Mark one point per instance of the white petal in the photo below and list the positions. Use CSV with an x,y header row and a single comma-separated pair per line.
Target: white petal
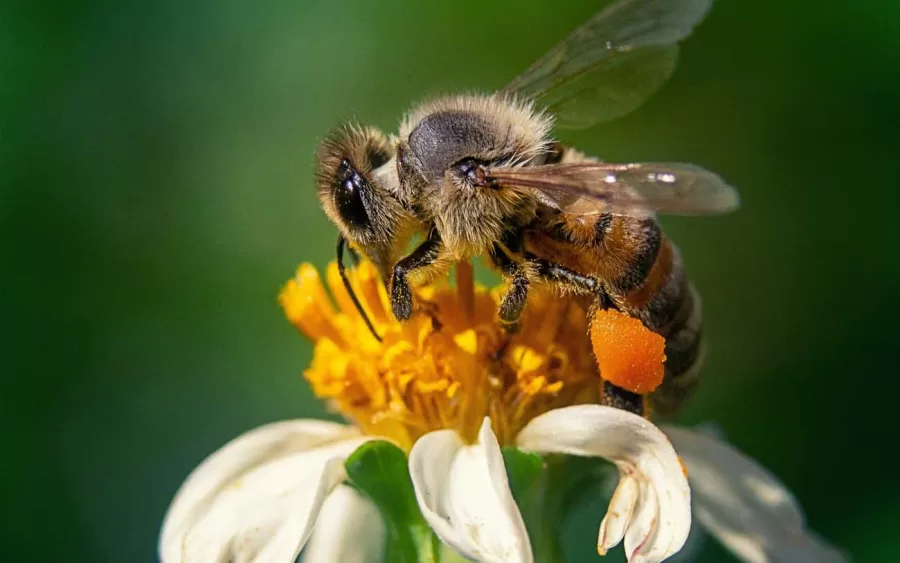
x,y
612,529
690,551
745,506
245,472
660,517
463,492
349,530
267,514
642,529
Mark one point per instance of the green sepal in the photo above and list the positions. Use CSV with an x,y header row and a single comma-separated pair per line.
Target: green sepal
x,y
573,481
379,470
550,489
523,470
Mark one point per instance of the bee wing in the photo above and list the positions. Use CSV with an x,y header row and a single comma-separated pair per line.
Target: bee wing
x,y
610,65
589,188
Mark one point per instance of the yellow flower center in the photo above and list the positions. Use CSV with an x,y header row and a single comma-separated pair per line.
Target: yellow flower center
x,y
450,365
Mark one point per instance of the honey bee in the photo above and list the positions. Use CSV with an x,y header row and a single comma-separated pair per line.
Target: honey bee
x,y
481,175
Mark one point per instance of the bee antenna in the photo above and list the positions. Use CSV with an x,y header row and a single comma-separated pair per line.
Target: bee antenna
x,y
340,263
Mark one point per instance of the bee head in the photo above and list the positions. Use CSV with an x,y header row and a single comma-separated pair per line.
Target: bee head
x,y
356,183
447,145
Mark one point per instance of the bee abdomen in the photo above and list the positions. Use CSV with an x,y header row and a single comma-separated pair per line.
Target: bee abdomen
x,y
668,304
642,273
640,241
684,355
658,296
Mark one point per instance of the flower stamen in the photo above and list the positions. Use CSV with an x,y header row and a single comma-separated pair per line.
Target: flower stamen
x,y
450,365
465,287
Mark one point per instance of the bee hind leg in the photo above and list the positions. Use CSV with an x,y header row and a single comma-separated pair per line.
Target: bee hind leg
x,y
615,396
612,395
580,282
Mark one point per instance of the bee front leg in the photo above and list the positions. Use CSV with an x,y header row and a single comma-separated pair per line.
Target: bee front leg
x,y
424,255
513,302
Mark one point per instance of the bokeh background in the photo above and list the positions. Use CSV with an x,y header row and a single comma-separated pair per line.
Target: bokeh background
x,y
155,164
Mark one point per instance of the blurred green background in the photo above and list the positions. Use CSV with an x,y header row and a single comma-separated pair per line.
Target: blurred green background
x,y
155,164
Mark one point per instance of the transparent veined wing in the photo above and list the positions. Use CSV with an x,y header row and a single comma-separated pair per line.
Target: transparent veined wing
x,y
610,65
588,188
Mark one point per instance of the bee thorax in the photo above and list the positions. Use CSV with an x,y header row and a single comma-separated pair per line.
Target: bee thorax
x,y
472,220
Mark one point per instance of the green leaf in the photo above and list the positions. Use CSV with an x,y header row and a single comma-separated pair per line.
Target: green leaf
x,y
379,470
523,470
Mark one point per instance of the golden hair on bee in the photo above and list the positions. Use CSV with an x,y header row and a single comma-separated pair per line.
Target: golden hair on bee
x,y
522,129
364,148
356,182
444,142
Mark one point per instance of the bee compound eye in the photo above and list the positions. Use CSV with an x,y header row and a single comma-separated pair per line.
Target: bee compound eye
x,y
348,197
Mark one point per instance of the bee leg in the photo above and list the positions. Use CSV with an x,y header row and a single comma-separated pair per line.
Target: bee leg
x,y
619,398
424,255
613,395
560,274
513,302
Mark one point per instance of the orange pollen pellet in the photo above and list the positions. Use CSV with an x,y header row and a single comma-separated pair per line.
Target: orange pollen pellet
x,y
630,355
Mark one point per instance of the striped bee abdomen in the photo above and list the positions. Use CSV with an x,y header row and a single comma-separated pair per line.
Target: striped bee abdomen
x,y
667,304
684,354
640,273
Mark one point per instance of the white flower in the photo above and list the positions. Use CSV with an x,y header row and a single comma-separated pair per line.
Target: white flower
x,y
264,495
276,489
259,497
